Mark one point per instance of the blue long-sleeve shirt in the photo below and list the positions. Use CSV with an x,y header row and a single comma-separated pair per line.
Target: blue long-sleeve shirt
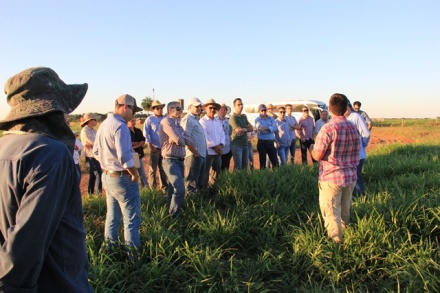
x,y
151,130
269,122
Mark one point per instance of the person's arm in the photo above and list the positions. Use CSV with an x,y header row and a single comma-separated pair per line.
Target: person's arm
x,y
124,152
272,125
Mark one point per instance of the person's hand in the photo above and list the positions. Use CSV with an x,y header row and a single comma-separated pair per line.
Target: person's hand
x,y
277,145
153,148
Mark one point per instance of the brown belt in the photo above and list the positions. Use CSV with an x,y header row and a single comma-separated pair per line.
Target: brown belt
x,y
116,173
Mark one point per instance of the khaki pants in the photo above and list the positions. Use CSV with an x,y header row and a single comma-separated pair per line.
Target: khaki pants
x,y
335,203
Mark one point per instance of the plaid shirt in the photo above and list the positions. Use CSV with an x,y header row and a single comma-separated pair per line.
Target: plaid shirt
x,y
340,141
173,138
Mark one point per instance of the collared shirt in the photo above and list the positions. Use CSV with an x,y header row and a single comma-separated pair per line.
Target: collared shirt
x,y
307,125
283,136
292,122
238,121
339,140
194,129
42,235
366,117
173,138
269,122
364,133
112,146
227,131
151,130
88,136
214,133
319,125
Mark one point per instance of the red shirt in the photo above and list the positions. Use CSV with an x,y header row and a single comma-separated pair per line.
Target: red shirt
x,y
339,140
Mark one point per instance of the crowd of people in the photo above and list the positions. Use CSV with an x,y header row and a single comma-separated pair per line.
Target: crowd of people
x,y
42,236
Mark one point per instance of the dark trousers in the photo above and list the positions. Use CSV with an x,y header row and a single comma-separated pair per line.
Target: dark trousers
x,y
266,147
226,161
305,149
95,183
359,188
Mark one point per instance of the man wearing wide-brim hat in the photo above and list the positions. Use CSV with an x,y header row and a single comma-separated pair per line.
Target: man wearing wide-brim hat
x,y
114,151
42,236
88,136
151,133
215,141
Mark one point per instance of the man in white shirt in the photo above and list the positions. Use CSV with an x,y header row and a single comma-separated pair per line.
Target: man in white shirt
x,y
215,140
322,121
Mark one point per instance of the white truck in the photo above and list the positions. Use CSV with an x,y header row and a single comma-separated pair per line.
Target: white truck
x,y
315,108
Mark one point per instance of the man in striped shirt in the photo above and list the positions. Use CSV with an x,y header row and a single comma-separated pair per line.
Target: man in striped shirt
x,y
337,150
173,140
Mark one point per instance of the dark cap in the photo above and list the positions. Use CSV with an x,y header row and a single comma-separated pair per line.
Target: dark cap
x,y
37,91
262,107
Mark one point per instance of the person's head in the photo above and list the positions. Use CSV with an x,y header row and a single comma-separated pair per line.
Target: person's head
x,y
263,110
357,106
338,104
90,119
223,111
157,108
282,112
210,108
270,107
132,122
305,111
195,106
238,106
324,115
289,109
37,91
125,106
174,109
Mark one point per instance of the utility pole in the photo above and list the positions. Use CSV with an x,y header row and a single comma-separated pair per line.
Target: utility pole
x,y
153,95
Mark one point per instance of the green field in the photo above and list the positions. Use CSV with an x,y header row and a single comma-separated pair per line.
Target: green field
x,y
263,231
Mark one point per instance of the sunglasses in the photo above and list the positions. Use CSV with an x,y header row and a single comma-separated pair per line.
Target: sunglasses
x,y
158,108
282,112
305,110
178,108
212,108
264,110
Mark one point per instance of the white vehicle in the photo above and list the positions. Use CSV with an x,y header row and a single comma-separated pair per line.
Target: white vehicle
x,y
315,108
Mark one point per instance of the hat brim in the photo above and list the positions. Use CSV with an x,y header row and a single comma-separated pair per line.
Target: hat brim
x,y
159,105
217,106
65,101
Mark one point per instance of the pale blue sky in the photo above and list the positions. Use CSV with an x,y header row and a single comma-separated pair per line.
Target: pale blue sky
x,y
383,53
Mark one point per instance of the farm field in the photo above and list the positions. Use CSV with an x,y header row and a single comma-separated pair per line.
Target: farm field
x,y
262,232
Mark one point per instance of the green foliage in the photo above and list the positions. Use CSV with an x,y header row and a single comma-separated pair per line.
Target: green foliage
x,y
262,232
146,103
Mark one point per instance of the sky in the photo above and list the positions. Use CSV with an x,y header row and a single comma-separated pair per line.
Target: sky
x,y
382,53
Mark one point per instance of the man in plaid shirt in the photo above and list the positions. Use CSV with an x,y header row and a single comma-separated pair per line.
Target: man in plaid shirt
x,y
337,149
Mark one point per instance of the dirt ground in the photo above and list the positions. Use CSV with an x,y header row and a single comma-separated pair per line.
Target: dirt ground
x,y
375,142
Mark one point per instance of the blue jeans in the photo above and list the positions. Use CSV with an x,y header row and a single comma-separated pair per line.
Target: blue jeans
x,y
195,168
240,155
359,188
250,155
142,174
214,162
292,150
283,153
156,163
123,200
176,186
95,183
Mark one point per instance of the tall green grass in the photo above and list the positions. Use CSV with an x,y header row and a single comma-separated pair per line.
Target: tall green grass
x,y
263,232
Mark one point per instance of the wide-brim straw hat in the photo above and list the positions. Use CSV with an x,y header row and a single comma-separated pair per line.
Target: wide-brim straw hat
x,y
37,91
156,103
211,102
89,116
228,109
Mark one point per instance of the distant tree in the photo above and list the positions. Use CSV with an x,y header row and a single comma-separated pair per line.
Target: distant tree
x,y
146,104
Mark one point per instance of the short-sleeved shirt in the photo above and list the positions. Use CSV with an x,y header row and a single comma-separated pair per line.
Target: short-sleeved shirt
x,y
339,140
238,121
